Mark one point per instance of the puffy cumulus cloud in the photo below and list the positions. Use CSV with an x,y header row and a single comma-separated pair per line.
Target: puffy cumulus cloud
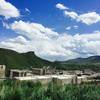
x,y
89,18
51,45
18,44
61,6
33,30
86,18
8,10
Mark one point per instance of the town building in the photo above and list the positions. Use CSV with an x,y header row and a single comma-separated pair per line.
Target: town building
x,y
46,79
18,73
38,71
46,74
88,72
43,71
65,79
82,79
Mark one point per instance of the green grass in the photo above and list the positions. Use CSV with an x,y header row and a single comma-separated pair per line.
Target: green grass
x,y
15,90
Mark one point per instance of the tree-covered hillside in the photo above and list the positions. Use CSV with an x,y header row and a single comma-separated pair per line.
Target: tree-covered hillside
x,y
13,59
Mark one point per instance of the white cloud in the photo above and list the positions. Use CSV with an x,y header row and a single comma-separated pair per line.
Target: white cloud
x,y
19,44
86,18
89,18
51,45
75,27
68,28
8,10
27,10
72,14
61,6
33,30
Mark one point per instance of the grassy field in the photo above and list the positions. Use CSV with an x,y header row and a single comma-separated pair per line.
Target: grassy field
x,y
11,90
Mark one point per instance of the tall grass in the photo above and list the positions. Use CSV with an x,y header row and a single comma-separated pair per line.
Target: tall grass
x,y
15,90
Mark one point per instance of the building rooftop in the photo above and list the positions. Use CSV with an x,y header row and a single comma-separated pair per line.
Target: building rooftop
x,y
83,76
25,78
45,77
63,76
17,70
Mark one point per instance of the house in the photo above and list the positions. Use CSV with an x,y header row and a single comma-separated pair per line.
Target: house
x,y
82,79
65,79
17,73
38,71
43,71
88,72
44,80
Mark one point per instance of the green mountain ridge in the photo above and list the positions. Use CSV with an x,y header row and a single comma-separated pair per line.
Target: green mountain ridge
x,y
92,62
13,59
91,59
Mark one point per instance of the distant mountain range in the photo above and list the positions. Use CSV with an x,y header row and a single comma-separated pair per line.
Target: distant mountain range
x,y
13,59
92,59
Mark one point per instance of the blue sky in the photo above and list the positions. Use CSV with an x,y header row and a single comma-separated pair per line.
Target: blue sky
x,y
70,20
45,12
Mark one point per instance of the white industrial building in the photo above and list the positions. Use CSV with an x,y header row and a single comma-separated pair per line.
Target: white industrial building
x,y
58,79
